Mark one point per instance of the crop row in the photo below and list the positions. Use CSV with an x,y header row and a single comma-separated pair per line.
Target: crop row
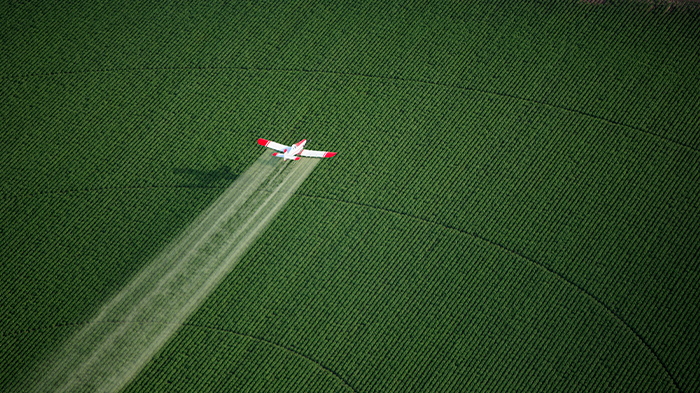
x,y
389,302
570,141
539,181
201,359
617,62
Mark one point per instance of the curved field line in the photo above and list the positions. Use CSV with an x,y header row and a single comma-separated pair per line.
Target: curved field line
x,y
316,362
248,336
560,276
369,76
474,235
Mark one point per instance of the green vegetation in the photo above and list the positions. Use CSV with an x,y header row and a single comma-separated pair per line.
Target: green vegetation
x,y
514,206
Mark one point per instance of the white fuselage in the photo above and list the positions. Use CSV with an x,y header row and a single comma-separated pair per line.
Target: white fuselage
x,y
290,152
297,149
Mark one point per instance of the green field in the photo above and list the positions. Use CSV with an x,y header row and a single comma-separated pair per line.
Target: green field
x,y
515,206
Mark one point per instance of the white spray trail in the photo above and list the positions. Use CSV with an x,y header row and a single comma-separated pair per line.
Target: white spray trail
x,y
107,353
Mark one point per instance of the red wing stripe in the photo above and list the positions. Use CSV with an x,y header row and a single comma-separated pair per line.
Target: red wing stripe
x,y
263,142
329,154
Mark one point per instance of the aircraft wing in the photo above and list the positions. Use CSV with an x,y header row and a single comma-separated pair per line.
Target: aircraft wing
x,y
316,153
271,144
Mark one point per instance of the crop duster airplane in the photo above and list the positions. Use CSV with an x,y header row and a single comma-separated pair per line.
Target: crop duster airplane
x,y
290,152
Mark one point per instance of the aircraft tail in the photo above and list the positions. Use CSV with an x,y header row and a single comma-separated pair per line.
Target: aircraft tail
x,y
281,155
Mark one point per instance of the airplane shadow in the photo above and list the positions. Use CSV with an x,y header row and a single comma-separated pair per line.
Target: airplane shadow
x,y
203,178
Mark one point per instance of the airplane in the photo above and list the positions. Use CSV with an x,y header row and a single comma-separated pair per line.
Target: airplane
x,y
290,152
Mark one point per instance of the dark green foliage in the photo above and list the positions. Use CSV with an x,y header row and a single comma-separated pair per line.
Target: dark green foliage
x,y
399,304
514,206
204,359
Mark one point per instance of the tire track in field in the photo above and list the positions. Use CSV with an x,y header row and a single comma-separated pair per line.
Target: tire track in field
x,y
559,276
367,76
191,325
248,336
105,357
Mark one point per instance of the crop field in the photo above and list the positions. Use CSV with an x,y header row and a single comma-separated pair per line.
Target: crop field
x,y
514,207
